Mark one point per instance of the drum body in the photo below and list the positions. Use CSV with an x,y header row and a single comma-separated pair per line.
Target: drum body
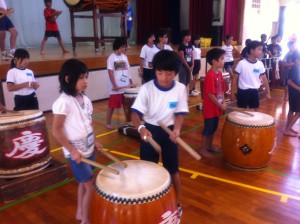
x,y
248,142
141,193
226,78
129,98
24,144
106,5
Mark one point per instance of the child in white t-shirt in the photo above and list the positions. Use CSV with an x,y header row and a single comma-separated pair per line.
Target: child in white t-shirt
x,y
119,76
72,128
20,80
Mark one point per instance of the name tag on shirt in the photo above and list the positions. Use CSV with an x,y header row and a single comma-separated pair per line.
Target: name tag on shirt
x,y
172,105
255,70
29,74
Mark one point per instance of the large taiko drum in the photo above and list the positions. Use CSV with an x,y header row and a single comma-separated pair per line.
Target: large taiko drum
x,y
24,144
129,98
141,193
226,78
248,142
102,4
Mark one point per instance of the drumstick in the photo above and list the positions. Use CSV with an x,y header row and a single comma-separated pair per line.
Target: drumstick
x,y
100,166
154,144
115,159
183,144
240,110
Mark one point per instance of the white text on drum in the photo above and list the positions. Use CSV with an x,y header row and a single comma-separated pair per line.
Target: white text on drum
x,y
27,145
169,218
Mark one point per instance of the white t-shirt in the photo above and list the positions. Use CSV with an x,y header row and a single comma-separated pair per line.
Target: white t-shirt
x,y
78,123
249,74
161,104
120,66
147,54
18,76
167,47
197,53
228,53
3,4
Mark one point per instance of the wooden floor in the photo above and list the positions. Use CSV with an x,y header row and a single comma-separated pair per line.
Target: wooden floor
x,y
212,191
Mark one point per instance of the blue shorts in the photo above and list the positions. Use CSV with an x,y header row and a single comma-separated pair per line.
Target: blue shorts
x,y
50,33
6,24
83,172
228,65
210,126
247,98
169,149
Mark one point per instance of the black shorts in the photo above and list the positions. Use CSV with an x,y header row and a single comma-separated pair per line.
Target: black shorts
x,y
6,23
210,126
228,65
184,75
247,98
49,33
28,102
197,67
169,150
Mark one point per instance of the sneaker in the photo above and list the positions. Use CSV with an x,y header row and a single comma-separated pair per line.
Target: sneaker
x,y
179,212
4,56
10,55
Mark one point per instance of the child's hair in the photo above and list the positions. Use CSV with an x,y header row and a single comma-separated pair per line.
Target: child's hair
x,y
167,60
119,42
263,36
184,33
273,38
247,41
147,36
46,1
290,44
214,54
72,69
252,45
228,36
19,54
196,37
160,34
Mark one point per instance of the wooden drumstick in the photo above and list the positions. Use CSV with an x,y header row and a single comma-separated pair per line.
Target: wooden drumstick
x,y
113,158
154,144
182,143
240,110
99,165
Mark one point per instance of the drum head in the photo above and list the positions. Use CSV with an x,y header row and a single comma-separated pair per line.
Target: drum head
x,y
132,90
259,119
141,181
73,3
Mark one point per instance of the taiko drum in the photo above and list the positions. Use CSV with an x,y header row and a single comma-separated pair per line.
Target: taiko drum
x,y
248,142
24,144
141,193
129,97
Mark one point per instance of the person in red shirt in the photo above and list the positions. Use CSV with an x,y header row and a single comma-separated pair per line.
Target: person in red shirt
x,y
51,26
213,100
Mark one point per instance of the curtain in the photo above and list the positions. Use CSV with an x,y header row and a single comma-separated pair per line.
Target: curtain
x,y
151,16
234,19
200,18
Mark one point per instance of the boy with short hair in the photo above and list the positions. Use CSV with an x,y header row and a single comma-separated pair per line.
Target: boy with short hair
x,y
213,100
249,75
162,99
51,26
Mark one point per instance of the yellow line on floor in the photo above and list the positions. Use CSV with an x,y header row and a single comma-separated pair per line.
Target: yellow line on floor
x,y
284,197
194,174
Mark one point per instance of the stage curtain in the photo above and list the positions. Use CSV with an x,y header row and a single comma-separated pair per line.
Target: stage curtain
x,y
200,18
151,16
234,19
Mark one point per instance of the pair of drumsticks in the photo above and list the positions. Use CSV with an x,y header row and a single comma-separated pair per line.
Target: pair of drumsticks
x,y
154,144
